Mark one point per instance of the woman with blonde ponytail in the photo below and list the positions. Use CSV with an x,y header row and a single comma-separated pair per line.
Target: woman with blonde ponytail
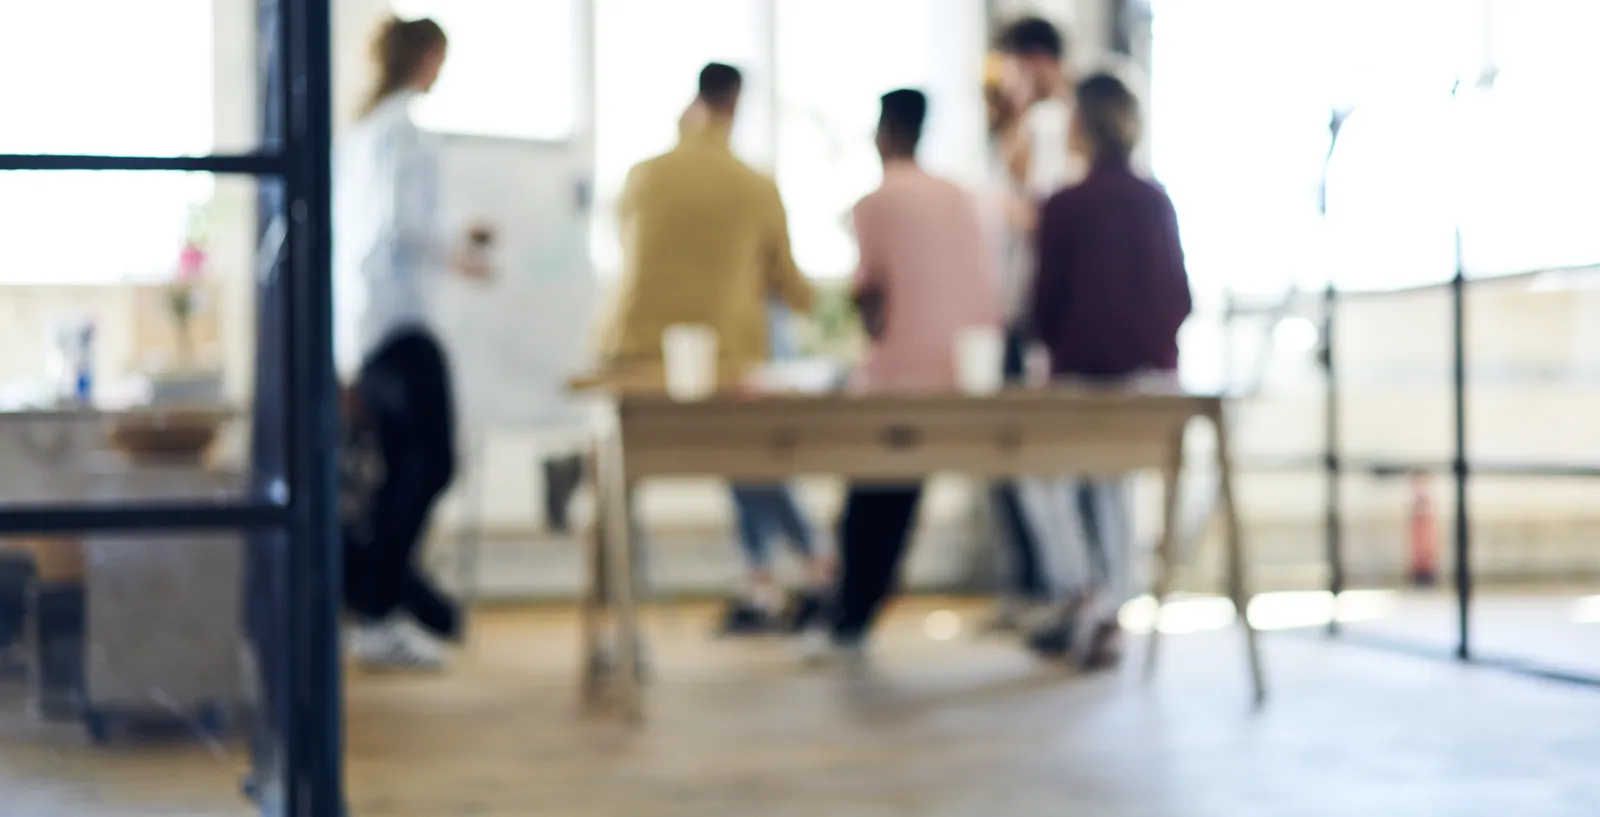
x,y
389,249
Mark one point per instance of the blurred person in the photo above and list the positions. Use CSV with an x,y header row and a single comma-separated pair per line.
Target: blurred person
x,y
1040,79
1010,216
1110,293
923,276
705,240
390,249
1035,75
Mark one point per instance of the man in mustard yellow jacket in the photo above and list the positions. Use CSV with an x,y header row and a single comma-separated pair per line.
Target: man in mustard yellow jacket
x,y
705,240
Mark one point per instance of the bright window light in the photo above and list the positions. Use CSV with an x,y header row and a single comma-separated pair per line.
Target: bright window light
x,y
942,625
514,67
810,100
1587,610
1239,135
829,78
648,56
1268,611
1296,334
138,81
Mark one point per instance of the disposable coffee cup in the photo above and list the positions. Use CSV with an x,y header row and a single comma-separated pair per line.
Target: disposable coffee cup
x,y
689,352
980,360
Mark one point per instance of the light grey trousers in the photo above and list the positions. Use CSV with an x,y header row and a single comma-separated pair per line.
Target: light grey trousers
x,y
1085,532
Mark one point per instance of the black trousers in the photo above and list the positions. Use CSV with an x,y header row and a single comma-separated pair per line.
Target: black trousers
x,y
1027,579
873,534
405,394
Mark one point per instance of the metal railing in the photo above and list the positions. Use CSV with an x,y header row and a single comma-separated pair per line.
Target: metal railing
x,y
1334,465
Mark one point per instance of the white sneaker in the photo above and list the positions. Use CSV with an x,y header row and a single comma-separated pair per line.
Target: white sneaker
x,y
392,645
817,648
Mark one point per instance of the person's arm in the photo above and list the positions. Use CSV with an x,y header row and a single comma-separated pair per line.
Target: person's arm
x,y
627,200
1052,274
784,278
1018,154
1021,213
419,230
1181,302
867,286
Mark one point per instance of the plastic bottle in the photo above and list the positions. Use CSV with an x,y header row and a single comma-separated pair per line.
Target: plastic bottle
x,y
83,365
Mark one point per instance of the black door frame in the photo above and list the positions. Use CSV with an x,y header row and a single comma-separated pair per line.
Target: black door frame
x,y
290,514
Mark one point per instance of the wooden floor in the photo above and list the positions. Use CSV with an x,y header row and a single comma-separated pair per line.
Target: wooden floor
x,y
956,728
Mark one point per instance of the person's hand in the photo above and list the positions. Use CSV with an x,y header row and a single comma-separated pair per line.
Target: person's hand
x,y
870,305
472,262
1022,215
1016,83
481,236
349,403
473,265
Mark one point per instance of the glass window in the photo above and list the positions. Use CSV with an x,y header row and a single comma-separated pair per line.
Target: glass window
x,y
829,79
648,56
1533,168
1240,148
515,67
1240,135
139,81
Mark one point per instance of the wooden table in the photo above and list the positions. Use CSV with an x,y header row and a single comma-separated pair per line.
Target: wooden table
x,y
889,438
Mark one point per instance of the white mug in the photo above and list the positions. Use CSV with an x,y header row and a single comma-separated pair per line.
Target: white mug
x,y
689,352
980,360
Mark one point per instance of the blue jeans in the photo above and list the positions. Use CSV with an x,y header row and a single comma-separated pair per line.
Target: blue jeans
x,y
765,511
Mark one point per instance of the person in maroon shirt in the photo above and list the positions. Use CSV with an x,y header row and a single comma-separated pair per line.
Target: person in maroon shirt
x,y
1109,295
1111,290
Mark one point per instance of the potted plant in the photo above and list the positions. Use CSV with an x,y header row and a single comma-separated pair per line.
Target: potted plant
x,y
186,378
185,293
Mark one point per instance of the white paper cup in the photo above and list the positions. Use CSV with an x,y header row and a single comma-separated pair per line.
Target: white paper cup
x,y
689,352
980,360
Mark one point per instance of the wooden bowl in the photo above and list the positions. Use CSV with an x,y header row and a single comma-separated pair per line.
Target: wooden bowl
x,y
171,435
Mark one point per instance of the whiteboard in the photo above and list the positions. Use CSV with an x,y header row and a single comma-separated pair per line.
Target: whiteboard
x,y
515,340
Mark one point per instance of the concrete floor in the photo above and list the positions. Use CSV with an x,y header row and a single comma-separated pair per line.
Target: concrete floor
x,y
935,727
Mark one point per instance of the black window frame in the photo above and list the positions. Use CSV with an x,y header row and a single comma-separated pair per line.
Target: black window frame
x,y
290,517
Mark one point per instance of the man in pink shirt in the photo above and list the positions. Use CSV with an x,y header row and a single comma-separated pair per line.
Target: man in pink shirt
x,y
924,275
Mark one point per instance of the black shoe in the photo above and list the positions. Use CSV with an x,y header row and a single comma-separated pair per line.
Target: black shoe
x,y
743,618
16,574
1053,643
1054,636
805,611
1104,648
58,623
437,614
562,476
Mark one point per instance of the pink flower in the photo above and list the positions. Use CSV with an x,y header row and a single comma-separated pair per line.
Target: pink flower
x,y
191,263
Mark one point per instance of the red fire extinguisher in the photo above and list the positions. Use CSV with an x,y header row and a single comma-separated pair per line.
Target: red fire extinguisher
x,y
1424,535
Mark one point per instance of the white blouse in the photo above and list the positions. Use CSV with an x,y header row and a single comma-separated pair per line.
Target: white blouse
x,y
388,245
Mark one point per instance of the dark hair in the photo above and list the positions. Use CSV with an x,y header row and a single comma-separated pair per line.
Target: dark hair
x,y
720,85
904,111
398,50
1109,114
1032,36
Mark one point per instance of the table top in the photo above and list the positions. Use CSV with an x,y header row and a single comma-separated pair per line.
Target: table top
x,y
1025,431
174,414
643,389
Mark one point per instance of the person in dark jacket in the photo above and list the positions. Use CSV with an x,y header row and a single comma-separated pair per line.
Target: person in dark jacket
x,y
1109,295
